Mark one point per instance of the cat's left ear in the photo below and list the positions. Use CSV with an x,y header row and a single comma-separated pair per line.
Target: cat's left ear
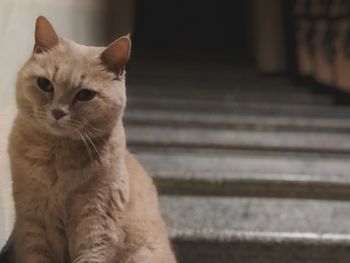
x,y
117,54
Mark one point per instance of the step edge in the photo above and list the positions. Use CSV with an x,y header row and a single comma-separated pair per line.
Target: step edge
x,y
229,235
318,190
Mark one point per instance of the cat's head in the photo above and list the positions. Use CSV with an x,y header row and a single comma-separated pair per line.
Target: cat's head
x,y
70,90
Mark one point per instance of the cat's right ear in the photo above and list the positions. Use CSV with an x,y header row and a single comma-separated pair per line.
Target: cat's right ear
x,y
117,54
45,35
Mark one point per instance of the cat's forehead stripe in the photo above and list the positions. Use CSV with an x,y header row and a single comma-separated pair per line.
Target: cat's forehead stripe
x,y
82,77
55,73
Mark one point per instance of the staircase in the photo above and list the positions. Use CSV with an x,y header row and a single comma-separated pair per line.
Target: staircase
x,y
250,168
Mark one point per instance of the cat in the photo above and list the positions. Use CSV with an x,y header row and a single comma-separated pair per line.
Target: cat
x,y
80,196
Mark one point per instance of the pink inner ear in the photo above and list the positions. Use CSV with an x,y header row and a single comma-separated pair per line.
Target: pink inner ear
x,y
117,54
45,35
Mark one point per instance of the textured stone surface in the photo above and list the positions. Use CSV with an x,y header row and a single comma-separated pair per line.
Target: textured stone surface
x,y
227,96
197,78
233,133
226,165
241,250
258,121
248,173
258,230
238,139
261,108
263,215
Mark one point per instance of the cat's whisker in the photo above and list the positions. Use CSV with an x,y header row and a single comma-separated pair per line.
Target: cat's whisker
x,y
74,125
34,113
95,129
95,134
91,132
75,122
93,145
86,144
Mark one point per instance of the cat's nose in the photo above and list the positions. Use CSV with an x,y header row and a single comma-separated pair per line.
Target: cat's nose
x,y
58,114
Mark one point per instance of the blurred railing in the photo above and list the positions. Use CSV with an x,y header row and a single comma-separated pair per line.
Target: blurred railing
x,y
323,41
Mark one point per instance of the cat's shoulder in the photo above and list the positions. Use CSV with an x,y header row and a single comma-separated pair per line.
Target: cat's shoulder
x,y
133,165
137,174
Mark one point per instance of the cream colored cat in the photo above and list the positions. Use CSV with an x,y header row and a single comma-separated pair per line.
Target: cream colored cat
x,y
80,196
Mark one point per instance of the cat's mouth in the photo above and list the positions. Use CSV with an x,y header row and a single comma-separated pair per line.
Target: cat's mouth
x,y
57,125
58,129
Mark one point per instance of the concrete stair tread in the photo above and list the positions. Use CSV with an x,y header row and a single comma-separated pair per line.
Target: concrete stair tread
x,y
191,90
246,82
254,121
250,168
196,69
260,230
219,165
313,141
248,174
210,105
267,216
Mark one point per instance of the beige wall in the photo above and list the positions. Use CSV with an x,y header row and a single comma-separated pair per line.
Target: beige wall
x,y
79,20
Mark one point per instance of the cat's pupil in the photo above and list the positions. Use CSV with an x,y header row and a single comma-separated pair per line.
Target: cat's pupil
x,y
85,95
44,84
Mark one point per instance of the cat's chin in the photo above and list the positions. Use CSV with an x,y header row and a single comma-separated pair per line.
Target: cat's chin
x,y
60,131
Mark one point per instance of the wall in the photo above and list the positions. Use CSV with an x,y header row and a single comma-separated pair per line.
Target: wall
x,y
78,20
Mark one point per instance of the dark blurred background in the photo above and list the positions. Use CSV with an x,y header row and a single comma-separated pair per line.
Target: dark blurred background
x,y
192,25
307,40
249,31
239,110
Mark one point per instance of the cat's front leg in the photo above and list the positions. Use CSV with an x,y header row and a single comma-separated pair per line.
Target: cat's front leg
x,y
156,254
30,241
93,236
93,242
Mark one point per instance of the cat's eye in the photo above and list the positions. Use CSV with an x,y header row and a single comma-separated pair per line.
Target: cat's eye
x,y
44,84
85,95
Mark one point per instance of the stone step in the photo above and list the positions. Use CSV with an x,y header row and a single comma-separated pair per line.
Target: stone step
x,y
184,105
251,230
248,173
195,85
197,137
198,89
293,97
255,121
163,78
223,75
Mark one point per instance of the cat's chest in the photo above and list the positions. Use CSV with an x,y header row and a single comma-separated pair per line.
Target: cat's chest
x,y
47,177
47,172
